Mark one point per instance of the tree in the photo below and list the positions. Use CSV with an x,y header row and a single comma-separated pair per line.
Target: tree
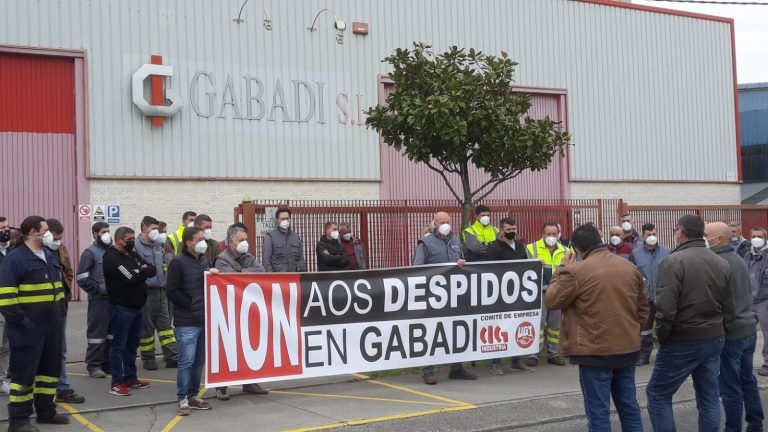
x,y
457,109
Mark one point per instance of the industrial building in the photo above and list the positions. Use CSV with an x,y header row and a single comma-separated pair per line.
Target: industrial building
x,y
161,107
753,107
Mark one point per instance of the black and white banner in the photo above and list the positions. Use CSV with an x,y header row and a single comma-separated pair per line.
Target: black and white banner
x,y
275,326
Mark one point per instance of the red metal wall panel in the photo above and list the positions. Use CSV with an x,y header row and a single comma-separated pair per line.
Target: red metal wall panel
x,y
38,177
36,94
403,179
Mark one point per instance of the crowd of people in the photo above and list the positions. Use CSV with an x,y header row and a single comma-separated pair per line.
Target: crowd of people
x,y
604,296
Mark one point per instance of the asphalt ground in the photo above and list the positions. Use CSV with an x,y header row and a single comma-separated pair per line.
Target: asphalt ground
x,y
547,399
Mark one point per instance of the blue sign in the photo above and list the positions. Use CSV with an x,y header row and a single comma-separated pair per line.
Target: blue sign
x,y
113,214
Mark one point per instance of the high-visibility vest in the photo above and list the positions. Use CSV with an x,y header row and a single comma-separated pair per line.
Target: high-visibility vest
x,y
484,233
175,239
551,259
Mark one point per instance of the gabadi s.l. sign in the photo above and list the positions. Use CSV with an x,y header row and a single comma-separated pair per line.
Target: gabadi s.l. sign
x,y
266,326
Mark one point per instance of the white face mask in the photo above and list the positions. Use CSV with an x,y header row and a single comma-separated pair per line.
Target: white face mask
x,y
207,234
758,243
190,225
444,229
626,227
50,243
162,237
335,235
285,224
485,220
615,241
201,247
550,241
706,243
242,247
651,240
347,236
106,239
154,235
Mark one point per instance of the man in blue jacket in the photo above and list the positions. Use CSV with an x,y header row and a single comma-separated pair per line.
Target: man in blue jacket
x,y
647,258
756,259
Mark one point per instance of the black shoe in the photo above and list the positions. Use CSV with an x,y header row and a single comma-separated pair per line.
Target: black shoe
x,y
643,362
430,379
23,428
58,419
149,365
462,374
173,364
556,360
69,396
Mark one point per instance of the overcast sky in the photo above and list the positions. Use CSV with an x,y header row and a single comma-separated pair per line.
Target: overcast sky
x,y
751,34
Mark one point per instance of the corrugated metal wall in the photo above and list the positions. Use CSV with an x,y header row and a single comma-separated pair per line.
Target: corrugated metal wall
x,y
403,179
753,107
37,127
639,83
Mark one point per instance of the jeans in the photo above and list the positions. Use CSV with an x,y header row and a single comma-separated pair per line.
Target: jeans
x,y
126,329
63,383
675,362
598,385
191,342
738,385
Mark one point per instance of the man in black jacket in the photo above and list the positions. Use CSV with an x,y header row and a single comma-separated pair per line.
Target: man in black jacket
x,y
738,385
186,291
506,248
125,275
693,296
330,253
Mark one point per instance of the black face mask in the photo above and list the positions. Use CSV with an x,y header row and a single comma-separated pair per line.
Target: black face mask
x,y
510,235
5,236
129,245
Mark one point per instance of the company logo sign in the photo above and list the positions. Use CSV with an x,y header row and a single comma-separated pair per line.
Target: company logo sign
x,y
493,339
525,335
157,108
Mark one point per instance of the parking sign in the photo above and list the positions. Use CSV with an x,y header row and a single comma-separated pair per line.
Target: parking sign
x,y
113,214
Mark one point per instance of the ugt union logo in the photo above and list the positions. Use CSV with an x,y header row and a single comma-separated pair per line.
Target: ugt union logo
x,y
158,107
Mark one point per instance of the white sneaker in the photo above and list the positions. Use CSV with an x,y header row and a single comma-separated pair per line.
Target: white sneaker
x,y
183,408
5,388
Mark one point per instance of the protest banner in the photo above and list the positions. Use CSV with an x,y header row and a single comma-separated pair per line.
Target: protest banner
x,y
274,326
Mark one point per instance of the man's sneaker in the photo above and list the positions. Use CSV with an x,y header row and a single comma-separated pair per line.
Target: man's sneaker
x,y
197,402
97,373
430,379
520,366
23,428
150,365
5,388
120,390
496,369
69,396
138,384
532,361
254,389
462,374
763,371
556,360
183,409
643,362
173,364
221,394
57,419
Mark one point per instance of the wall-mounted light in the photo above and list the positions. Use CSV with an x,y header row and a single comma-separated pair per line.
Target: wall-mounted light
x,y
267,21
338,24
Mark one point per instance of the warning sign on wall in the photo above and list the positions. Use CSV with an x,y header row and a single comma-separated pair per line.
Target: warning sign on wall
x,y
99,212
84,213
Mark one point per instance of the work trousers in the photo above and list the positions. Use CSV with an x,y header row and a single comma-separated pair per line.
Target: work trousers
x,y
97,353
157,319
35,364
549,331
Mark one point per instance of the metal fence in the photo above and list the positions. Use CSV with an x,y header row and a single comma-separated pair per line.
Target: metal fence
x,y
390,230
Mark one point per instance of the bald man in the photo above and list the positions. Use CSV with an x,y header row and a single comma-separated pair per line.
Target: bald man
x,y
738,385
439,247
616,243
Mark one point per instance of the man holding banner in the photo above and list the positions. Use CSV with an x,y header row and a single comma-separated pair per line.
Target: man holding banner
x,y
436,248
604,307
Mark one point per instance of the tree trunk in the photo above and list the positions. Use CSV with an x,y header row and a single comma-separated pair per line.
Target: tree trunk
x,y
466,213
466,204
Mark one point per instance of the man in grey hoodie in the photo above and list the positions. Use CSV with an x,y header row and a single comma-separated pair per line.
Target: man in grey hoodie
x,y
738,385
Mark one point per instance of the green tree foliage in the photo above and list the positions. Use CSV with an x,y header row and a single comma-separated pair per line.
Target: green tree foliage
x,y
457,109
